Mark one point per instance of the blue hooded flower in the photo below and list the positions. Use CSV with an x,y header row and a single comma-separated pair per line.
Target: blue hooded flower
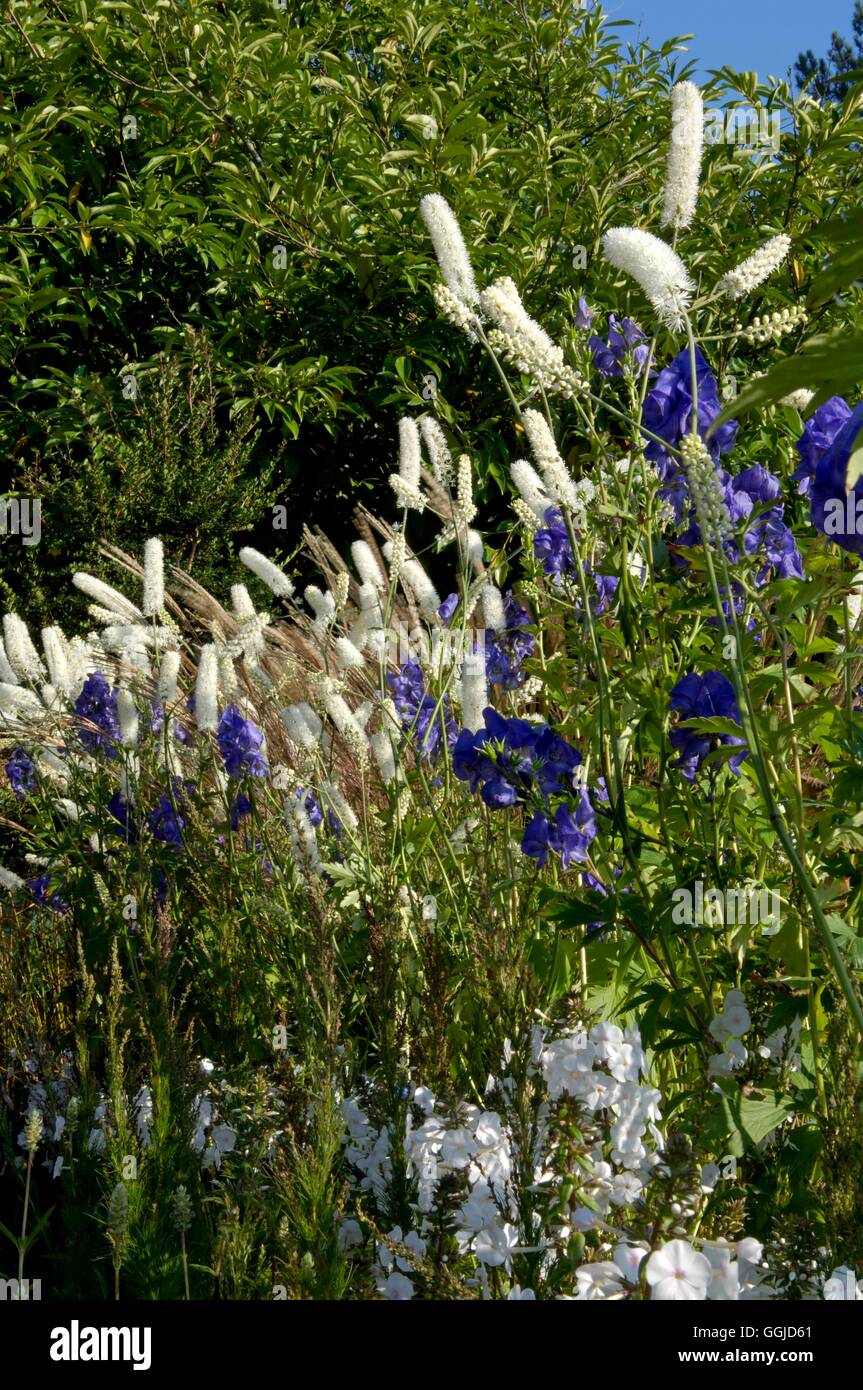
x,y
429,723
506,650
818,434
551,547
97,704
240,743
704,697
584,314
240,807
837,511
668,411
121,811
166,825
447,608
627,347
41,892
21,771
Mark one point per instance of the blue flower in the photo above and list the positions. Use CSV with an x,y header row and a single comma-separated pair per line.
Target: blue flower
x,y
120,811
314,810
818,434
40,890
240,743
626,347
447,608
551,547
165,824
756,487
429,723
97,703
584,315
241,806
704,697
837,511
21,772
668,411
506,650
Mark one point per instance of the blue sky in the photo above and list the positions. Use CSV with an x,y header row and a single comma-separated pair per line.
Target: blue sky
x,y
764,36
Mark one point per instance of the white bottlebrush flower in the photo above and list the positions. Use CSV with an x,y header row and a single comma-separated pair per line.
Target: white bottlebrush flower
x,y
426,594
341,715
107,597
530,488
22,655
656,267
349,657
207,689
10,880
127,718
492,608
523,342
54,647
437,449
242,604
406,483
684,155
464,510
394,553
154,578
449,248
270,574
367,566
7,675
323,605
169,670
303,725
333,800
384,754
474,691
756,268
474,548
558,483
798,400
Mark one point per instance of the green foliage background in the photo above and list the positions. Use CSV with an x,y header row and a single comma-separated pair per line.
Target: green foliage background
x,y
222,202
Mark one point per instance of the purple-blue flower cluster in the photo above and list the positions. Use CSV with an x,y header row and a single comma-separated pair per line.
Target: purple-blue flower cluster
x,y
627,348
512,762
21,771
97,704
505,651
767,536
240,743
43,893
668,412
818,434
429,725
552,548
837,508
704,697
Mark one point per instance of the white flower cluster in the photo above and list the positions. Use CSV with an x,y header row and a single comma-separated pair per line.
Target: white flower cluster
x,y
729,1026
771,327
706,491
656,267
756,268
520,339
684,155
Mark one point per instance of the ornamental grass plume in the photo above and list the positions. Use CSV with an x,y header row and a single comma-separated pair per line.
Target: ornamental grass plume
x,y
656,267
756,268
684,156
